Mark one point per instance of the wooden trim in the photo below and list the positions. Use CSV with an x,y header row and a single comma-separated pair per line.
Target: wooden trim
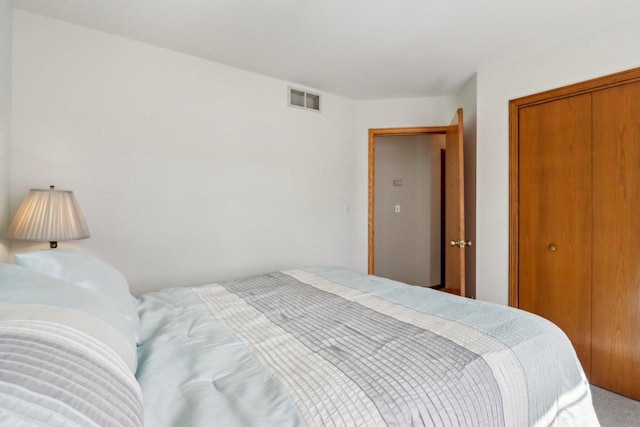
x,y
605,82
431,130
372,183
443,216
424,130
589,86
513,204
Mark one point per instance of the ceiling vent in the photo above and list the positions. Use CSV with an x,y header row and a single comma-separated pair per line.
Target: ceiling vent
x,y
302,99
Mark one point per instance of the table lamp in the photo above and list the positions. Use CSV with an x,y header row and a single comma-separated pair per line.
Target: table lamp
x,y
49,216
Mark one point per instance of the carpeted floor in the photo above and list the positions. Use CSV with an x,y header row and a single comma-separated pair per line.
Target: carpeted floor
x,y
614,410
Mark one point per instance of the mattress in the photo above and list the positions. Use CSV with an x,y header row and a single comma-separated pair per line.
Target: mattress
x,y
327,346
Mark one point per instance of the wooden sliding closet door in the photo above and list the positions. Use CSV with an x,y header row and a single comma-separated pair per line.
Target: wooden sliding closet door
x,y
554,245
616,240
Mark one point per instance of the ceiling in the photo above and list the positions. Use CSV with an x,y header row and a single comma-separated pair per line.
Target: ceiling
x,y
359,49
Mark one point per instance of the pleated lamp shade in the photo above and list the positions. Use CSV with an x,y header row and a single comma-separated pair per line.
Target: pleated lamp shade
x,y
49,216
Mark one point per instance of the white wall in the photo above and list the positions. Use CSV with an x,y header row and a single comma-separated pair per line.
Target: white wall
x,y
605,52
5,122
187,171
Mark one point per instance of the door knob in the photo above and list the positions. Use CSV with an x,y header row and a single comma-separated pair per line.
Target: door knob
x,y
460,243
552,247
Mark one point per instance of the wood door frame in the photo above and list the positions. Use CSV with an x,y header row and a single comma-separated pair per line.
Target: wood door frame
x,y
406,131
617,79
443,217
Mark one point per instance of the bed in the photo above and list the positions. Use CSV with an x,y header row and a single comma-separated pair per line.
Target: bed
x,y
311,346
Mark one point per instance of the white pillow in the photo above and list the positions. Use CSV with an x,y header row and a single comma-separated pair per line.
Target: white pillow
x,y
88,272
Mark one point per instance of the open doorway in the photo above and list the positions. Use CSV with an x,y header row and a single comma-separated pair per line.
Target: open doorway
x,y
409,208
453,225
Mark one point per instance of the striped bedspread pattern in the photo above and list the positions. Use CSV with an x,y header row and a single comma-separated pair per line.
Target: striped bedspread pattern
x,y
56,375
347,357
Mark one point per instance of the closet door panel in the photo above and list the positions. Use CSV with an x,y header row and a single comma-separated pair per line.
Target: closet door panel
x,y
616,233
555,201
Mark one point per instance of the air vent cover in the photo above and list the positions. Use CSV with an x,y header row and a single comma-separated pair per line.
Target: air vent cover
x,y
302,99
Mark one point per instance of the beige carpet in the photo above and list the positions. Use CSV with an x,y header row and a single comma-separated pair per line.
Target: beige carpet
x,y
614,410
